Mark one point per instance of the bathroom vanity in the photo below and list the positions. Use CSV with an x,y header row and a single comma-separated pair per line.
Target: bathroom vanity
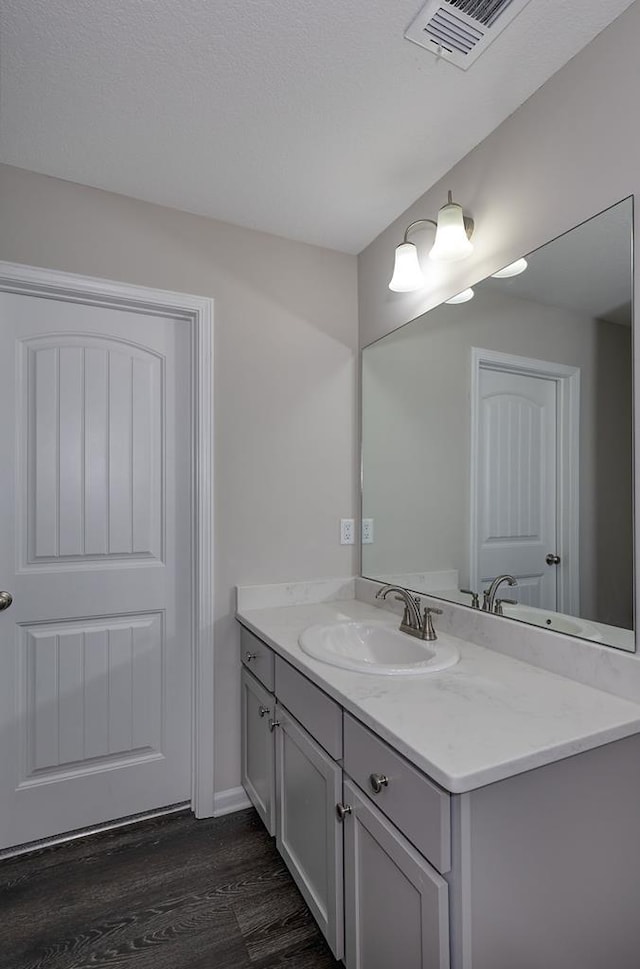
x,y
480,817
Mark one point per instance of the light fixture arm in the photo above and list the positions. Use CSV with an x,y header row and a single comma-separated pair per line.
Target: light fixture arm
x,y
418,222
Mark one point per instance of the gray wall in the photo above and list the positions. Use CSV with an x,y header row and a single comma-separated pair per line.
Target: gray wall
x,y
613,525
416,438
285,352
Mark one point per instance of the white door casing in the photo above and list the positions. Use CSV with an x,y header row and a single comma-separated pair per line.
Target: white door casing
x,y
524,476
94,678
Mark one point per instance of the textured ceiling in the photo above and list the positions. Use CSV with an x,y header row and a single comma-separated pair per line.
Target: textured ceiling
x,y
315,121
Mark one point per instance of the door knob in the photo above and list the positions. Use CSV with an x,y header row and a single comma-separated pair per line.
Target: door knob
x,y
5,600
552,559
342,810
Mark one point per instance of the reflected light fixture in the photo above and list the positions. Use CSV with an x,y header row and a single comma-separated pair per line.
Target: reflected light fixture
x,y
453,242
513,269
462,297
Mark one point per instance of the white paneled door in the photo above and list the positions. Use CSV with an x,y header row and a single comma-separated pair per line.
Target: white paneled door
x,y
517,483
95,548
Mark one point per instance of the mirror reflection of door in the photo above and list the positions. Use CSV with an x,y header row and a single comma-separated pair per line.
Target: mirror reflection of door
x,y
517,484
525,516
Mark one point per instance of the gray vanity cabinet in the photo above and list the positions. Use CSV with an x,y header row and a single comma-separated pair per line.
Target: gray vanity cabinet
x,y
536,871
308,834
258,755
292,777
396,904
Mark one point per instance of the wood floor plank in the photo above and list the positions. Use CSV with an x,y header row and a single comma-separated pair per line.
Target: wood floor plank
x,y
272,923
168,894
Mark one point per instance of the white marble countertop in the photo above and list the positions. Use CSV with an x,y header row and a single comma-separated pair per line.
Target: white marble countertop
x,y
484,719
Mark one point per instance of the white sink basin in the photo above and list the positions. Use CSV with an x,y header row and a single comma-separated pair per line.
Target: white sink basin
x,y
553,620
377,647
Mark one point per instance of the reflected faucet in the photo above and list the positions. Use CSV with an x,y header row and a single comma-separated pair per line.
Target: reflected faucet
x,y
489,597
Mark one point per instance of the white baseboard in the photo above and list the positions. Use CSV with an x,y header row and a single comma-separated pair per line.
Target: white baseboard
x,y
226,802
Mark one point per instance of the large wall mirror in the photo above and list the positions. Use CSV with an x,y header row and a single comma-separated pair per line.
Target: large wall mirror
x,y
497,440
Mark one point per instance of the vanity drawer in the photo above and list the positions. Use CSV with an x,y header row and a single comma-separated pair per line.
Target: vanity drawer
x,y
316,711
417,806
258,658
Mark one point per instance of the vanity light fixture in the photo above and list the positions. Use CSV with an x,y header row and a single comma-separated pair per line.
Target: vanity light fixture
x,y
453,234
513,269
407,274
462,297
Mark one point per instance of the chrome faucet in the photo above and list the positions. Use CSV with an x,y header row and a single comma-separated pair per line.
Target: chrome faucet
x,y
412,622
489,596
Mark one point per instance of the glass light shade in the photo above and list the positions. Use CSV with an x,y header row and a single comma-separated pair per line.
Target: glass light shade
x,y
462,297
407,274
451,236
513,269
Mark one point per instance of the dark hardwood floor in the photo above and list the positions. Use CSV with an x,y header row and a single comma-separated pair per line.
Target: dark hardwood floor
x,y
173,893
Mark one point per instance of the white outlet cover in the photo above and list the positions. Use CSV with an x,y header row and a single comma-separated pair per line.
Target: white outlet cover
x,y
367,531
347,531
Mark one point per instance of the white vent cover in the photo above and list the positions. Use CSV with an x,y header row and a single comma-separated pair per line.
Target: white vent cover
x,y
460,30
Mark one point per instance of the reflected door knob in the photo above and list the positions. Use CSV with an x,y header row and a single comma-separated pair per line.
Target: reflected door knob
x,y
552,559
5,600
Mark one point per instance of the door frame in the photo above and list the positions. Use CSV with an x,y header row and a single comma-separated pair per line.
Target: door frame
x,y
567,380
198,312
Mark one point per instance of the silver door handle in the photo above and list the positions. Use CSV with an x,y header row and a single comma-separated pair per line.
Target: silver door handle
x,y
5,600
342,810
263,711
273,724
249,656
552,559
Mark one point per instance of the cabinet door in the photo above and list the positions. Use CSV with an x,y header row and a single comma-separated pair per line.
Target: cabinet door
x,y
258,767
396,904
308,835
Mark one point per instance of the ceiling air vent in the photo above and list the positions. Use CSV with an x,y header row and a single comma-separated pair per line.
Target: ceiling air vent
x,y
460,30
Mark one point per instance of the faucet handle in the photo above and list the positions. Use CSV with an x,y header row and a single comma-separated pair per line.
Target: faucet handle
x,y
475,598
428,632
506,602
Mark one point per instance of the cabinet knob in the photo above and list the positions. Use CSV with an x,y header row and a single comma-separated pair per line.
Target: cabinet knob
x,y
342,810
378,781
248,656
263,711
273,724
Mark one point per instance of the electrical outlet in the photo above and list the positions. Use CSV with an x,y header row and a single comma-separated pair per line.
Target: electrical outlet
x,y
347,531
367,531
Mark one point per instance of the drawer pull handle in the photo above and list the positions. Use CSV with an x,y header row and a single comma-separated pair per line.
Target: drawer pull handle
x,y
263,711
273,724
248,656
378,781
342,810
